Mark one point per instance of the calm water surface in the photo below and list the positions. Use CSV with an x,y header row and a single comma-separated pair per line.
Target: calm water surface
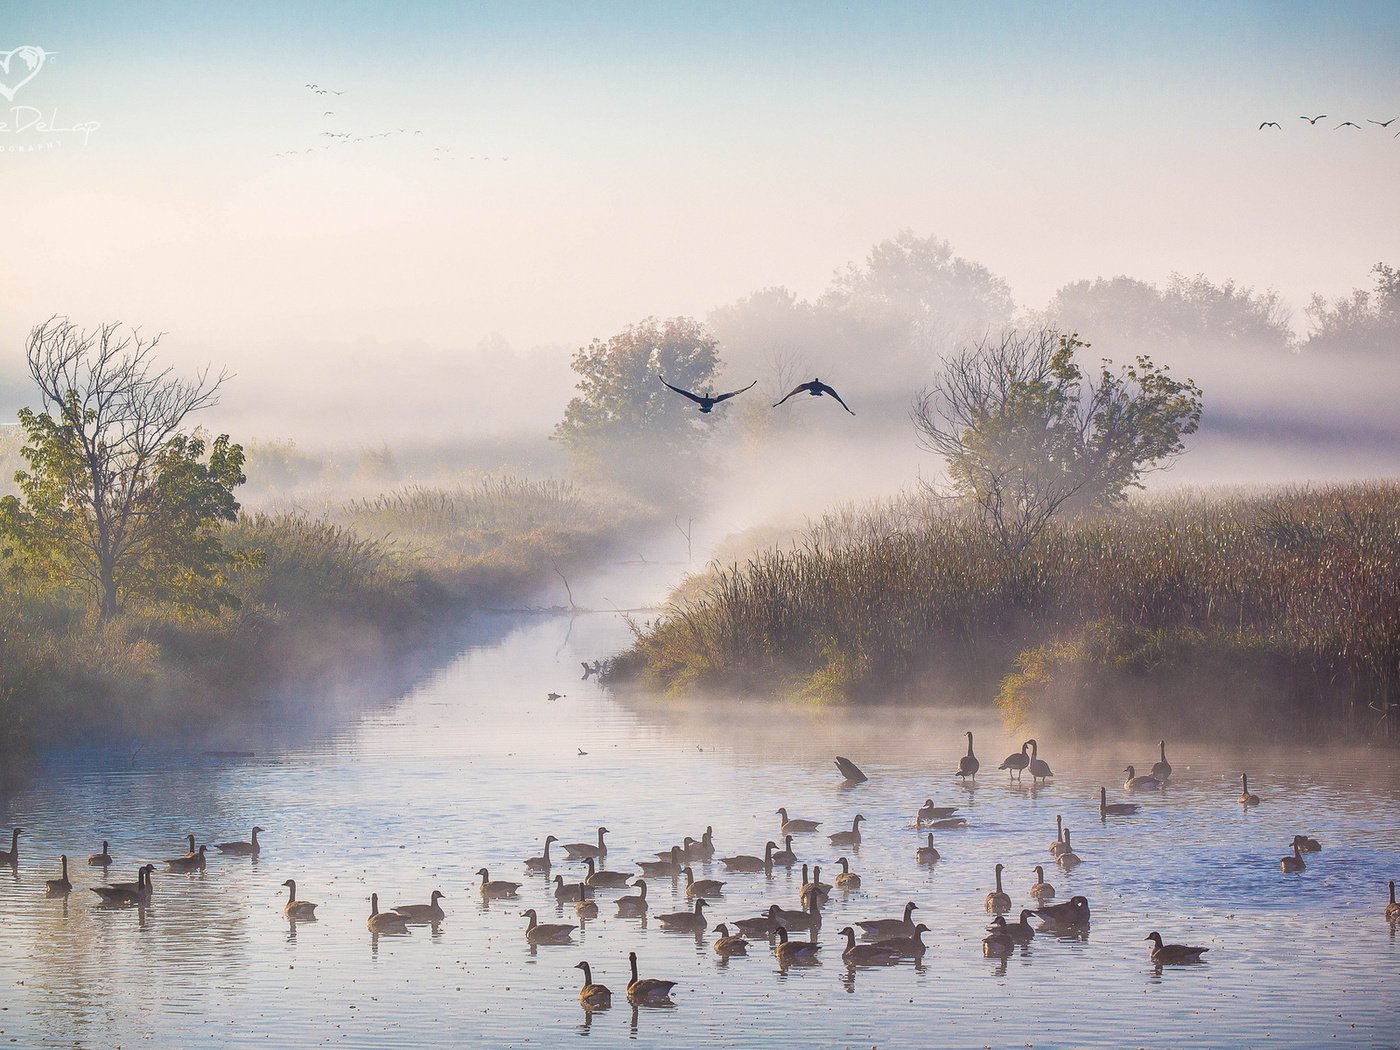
x,y
474,767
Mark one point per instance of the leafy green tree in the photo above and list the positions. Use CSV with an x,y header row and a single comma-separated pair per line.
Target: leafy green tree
x,y
116,497
624,424
1026,435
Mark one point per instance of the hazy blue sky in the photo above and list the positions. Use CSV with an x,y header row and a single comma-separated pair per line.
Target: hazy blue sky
x,y
667,157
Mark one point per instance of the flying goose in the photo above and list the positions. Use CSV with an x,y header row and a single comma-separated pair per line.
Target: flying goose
x,y
884,929
59,887
1381,123
500,889
876,954
384,921
795,825
430,912
927,854
649,990
1347,124
1137,783
847,880
746,863
701,887
537,932
998,901
1016,764
789,952
1162,769
686,920
1042,891
729,943
242,849
816,388
1246,798
582,850
300,911
634,905
1268,124
592,996
848,838
101,860
542,862
705,401
1313,120
1040,769
1115,809
968,764
1068,858
1173,954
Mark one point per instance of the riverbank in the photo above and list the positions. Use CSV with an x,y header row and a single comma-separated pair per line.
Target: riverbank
x,y
318,601
1230,611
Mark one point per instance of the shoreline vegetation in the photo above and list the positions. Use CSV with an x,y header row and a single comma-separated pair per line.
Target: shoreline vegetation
x,y
1272,614
317,595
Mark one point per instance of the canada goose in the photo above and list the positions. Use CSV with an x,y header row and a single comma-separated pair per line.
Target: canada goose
x,y
542,862
912,946
745,863
928,811
1116,809
241,849
12,858
605,880
563,891
301,911
948,824
848,838
809,918
1068,858
813,889
1042,890
186,857
1137,783
581,850
137,892
795,826
193,862
592,996
551,697
1020,932
701,887
884,929
1306,844
968,764
705,401
1173,954
764,924
927,854
663,868
1246,797
1380,123
1016,764
1392,910
500,889
1072,914
101,860
729,943
585,907
537,932
704,849
847,880
430,912
816,388
999,941
785,857
1347,124
635,904
384,921
997,900
1293,864
1040,769
686,920
1162,769
60,886
1058,846
1268,124
641,992
1313,120
876,954
789,952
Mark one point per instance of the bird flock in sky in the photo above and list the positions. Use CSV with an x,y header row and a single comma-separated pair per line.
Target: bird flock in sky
x,y
1312,121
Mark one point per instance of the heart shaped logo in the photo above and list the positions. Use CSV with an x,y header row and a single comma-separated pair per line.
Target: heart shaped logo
x,y
30,61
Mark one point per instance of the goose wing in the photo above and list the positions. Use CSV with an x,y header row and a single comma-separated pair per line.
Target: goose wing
x,y
683,393
799,388
733,393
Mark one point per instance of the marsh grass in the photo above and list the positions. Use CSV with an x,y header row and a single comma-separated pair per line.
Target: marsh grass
x,y
1222,606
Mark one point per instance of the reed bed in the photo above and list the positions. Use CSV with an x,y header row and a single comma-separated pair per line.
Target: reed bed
x,y
1299,589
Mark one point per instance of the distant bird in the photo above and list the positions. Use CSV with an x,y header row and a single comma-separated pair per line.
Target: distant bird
x,y
1294,863
1347,124
554,696
582,753
1162,769
1314,120
1382,123
705,401
1268,124
1247,797
968,764
1173,954
816,388
328,113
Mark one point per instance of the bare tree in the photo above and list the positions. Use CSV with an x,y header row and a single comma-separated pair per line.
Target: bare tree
x,y
1026,436
98,445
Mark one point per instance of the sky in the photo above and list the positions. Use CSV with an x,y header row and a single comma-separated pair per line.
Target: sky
x,y
660,159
